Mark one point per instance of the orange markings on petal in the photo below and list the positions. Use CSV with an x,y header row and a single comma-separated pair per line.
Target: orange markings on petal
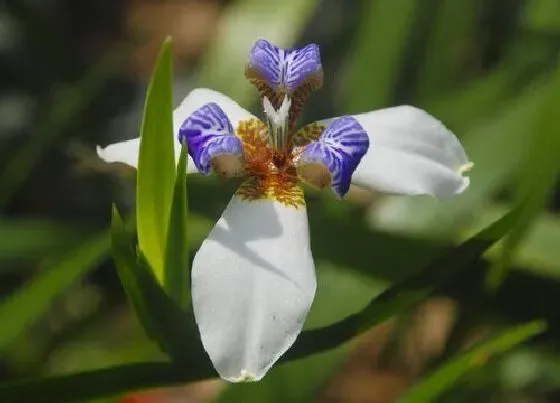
x,y
272,174
308,134
280,187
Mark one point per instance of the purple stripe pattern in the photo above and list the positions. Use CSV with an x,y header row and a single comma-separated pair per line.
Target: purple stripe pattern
x,y
284,68
340,149
209,134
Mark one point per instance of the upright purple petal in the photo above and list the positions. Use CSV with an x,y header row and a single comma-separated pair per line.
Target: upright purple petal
x,y
209,135
336,155
284,69
278,73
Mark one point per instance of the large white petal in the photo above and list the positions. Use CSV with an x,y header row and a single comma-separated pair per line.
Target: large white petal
x,y
127,151
411,152
253,282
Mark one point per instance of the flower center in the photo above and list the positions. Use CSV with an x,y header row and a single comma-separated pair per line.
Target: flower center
x,y
269,162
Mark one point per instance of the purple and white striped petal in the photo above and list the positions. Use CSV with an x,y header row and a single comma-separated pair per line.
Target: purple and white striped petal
x,y
211,141
127,151
334,157
284,69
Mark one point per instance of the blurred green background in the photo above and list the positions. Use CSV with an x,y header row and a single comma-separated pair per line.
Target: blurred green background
x,y
74,74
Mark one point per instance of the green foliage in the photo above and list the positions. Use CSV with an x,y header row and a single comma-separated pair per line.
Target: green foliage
x,y
156,164
538,174
434,384
404,295
160,316
165,322
177,280
34,239
378,53
32,301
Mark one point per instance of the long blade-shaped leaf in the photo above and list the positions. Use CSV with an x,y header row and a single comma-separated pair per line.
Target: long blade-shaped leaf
x,y
35,239
538,175
177,251
29,303
378,53
403,295
95,384
162,319
443,378
156,164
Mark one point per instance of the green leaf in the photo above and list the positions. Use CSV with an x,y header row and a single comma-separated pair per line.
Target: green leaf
x,y
100,383
453,28
403,295
444,377
162,319
26,305
36,239
537,177
177,275
156,164
538,252
378,53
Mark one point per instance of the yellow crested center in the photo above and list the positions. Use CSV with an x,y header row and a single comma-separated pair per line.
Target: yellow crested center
x,y
272,173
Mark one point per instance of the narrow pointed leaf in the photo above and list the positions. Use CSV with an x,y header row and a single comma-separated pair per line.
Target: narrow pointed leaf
x,y
26,305
162,319
106,382
538,175
177,281
156,164
376,60
403,295
36,239
432,386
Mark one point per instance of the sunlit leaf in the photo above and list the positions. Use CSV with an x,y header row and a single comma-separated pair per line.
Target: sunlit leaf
x,y
177,276
156,164
434,384
539,250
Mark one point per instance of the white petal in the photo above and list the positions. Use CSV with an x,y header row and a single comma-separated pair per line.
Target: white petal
x,y
411,152
253,282
127,151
